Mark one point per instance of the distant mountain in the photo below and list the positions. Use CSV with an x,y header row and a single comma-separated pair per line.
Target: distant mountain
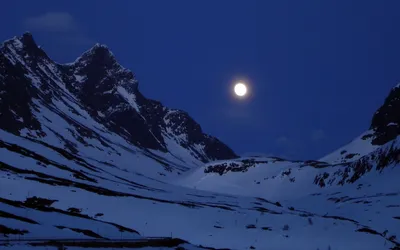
x,y
94,88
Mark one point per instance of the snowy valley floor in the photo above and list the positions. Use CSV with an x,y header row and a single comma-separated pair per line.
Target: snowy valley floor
x,y
48,194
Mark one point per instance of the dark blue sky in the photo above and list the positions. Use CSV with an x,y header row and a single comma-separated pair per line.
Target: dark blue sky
x,y
318,69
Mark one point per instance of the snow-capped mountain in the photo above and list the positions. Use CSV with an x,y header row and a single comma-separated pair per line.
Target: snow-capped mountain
x,y
87,161
91,96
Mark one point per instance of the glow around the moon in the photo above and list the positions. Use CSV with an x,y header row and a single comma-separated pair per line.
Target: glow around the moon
x,y
240,89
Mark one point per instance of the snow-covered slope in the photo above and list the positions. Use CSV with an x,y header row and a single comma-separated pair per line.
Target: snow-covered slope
x,y
356,149
385,127
358,181
87,196
85,157
93,104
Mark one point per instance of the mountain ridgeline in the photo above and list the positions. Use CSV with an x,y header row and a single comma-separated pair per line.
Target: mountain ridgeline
x,y
97,83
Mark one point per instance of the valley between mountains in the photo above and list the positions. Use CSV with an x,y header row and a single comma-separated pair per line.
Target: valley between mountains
x,y
87,161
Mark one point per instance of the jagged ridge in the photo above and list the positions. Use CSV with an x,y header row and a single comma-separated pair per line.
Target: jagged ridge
x,y
107,91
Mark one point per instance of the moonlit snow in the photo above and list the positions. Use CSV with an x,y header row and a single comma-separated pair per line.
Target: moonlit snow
x,y
76,177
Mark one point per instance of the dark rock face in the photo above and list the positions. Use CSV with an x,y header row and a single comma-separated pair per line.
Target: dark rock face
x,y
351,172
16,91
238,166
386,121
98,84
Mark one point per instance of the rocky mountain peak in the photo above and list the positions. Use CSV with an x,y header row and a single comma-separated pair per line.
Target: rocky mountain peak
x,y
24,46
27,40
99,54
386,121
97,72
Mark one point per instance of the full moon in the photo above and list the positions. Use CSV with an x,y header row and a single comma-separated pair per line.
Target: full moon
x,y
240,89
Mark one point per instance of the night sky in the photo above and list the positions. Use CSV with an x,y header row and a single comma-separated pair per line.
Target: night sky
x,y
317,69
